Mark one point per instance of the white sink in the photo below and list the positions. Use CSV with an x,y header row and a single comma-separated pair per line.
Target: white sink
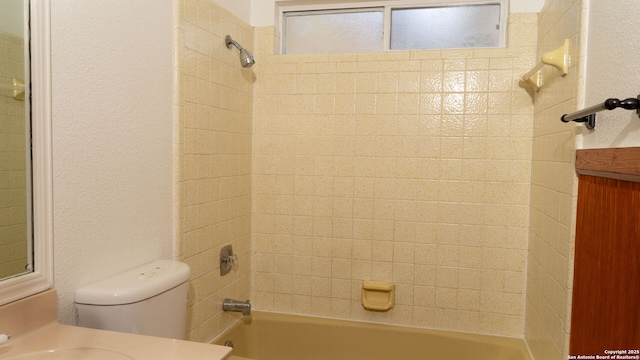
x,y
77,353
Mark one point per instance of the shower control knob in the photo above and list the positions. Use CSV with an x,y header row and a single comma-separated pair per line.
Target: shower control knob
x,y
227,260
230,260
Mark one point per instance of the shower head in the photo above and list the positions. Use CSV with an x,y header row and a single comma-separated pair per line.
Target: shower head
x,y
246,59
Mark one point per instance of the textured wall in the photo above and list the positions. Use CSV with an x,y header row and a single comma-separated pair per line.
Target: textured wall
x,y
612,76
239,8
553,188
213,160
13,177
112,139
409,167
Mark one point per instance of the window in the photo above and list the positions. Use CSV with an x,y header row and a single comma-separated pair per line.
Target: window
x,y
405,25
337,31
445,27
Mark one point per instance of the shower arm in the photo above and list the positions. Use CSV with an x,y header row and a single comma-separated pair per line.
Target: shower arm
x,y
229,41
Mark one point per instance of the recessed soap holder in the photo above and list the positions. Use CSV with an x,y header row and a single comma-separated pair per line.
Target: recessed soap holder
x,y
378,295
227,260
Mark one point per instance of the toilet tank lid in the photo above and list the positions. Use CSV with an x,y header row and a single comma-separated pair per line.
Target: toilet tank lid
x,y
135,285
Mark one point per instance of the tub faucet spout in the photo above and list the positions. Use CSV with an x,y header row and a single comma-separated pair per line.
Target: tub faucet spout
x,y
237,306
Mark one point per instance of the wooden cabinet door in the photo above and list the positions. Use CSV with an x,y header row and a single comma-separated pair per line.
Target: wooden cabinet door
x,y
605,311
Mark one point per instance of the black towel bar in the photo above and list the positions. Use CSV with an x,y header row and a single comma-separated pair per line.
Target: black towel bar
x,y
588,115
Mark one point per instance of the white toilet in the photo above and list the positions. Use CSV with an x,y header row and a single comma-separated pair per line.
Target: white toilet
x,y
149,300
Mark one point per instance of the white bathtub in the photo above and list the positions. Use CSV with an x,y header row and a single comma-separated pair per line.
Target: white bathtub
x,y
271,336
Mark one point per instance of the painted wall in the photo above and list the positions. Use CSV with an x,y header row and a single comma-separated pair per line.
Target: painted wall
x,y
239,8
612,72
553,187
406,167
112,139
213,161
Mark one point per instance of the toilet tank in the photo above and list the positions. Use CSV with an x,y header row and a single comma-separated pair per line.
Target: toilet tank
x,y
148,300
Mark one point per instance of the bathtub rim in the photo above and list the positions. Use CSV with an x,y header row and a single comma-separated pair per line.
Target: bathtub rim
x,y
474,337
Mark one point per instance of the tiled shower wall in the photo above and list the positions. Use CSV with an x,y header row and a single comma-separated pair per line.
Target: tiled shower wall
x,y
406,167
13,197
553,188
213,160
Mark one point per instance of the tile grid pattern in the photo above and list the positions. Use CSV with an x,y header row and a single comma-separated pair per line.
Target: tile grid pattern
x,y
213,160
13,197
409,167
553,189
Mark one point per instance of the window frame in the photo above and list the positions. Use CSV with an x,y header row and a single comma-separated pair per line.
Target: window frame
x,y
329,6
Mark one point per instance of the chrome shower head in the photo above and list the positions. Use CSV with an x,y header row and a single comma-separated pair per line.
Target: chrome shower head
x,y
246,59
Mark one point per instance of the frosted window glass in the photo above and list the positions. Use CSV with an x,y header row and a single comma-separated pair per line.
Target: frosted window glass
x,y
446,27
333,33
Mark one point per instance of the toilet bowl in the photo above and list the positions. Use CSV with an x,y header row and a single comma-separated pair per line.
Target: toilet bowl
x,y
148,300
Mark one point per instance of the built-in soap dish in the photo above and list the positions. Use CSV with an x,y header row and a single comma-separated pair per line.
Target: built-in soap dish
x,y
378,295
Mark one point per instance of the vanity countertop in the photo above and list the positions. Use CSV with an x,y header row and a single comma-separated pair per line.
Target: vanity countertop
x,y
59,338
35,334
